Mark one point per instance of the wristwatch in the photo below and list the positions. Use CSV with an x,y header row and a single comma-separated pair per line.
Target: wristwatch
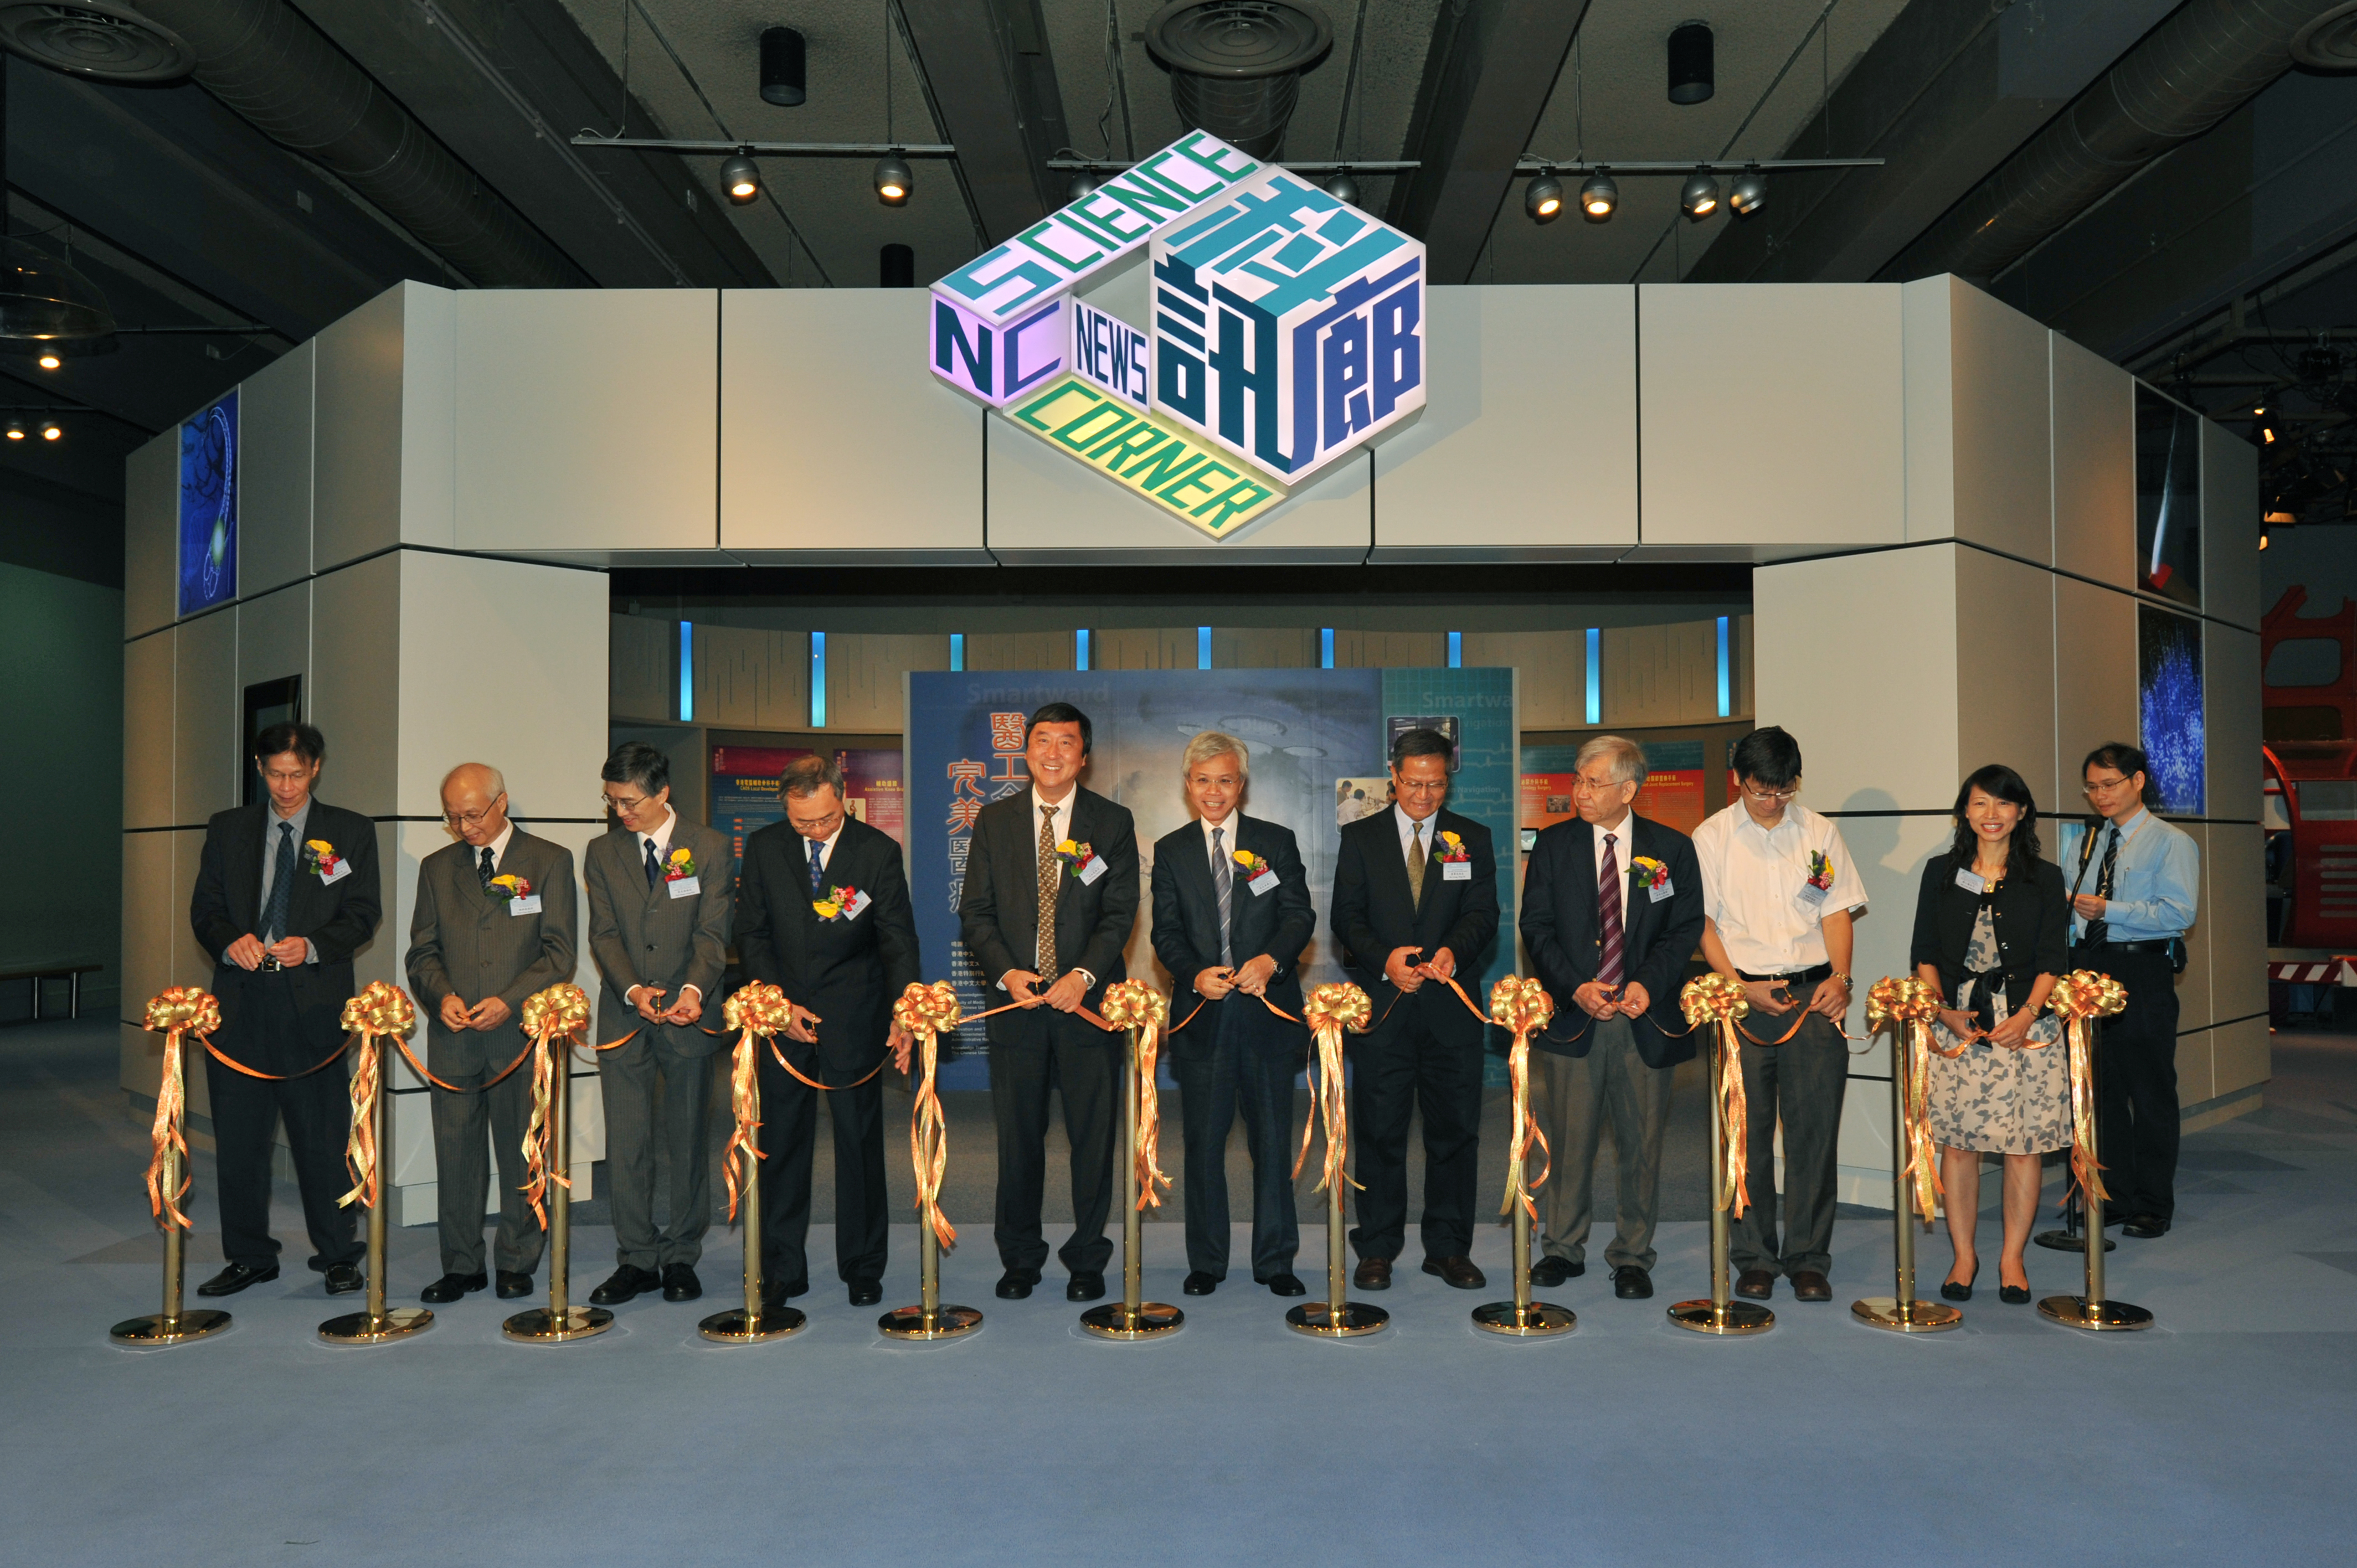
x,y
1847,985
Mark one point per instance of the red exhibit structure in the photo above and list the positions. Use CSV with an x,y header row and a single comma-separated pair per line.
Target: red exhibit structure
x,y
2310,756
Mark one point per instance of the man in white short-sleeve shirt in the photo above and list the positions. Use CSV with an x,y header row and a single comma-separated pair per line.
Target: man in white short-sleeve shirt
x,y
1779,889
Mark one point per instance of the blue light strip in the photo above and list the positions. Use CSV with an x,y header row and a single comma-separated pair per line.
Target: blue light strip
x,y
1324,648
1081,649
1595,675
1203,648
957,651
1457,650
818,679
687,672
1726,667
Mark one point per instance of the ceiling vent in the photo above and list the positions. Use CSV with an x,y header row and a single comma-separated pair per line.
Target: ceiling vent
x,y
2328,42
1236,65
94,38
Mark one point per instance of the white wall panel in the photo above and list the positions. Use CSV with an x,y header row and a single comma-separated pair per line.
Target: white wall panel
x,y
429,414
274,640
1769,415
2095,465
2230,526
587,419
273,472
2204,949
2095,666
1527,447
2003,426
833,436
2004,670
2230,723
359,394
1927,322
148,732
355,684
151,534
205,718
2234,909
148,917
2242,1055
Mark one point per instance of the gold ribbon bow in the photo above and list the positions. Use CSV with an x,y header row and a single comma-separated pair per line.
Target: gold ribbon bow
x,y
1524,1008
179,1011
1332,1008
378,1011
1719,999
559,1012
2078,996
1906,1007
755,1012
1134,1005
928,1012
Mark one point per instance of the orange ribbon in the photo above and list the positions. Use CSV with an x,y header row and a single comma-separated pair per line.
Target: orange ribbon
x,y
2082,995
755,1012
1719,999
1331,1009
1524,1007
928,1012
378,1012
1908,1006
1134,1005
181,1010
559,1012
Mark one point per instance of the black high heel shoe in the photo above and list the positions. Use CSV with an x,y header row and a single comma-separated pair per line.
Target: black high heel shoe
x,y
2013,1295
1951,1291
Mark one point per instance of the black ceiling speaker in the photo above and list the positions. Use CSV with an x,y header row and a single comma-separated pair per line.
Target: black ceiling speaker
x,y
896,267
782,68
1236,65
97,39
1693,76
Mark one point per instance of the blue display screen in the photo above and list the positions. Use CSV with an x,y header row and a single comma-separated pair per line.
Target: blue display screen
x,y
2168,691
208,507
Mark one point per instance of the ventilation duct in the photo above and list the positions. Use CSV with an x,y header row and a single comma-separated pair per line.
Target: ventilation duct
x,y
1236,65
97,39
2207,59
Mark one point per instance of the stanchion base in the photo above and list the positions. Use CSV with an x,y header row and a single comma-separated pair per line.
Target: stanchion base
x,y
1356,1317
908,1323
1705,1317
363,1328
542,1327
1533,1322
1114,1321
1921,1317
157,1329
2077,1312
735,1327
2064,1242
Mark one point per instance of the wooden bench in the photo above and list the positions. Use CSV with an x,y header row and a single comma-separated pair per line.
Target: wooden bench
x,y
70,973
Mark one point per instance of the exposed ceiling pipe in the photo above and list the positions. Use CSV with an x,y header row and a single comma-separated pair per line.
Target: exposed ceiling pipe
x,y
2207,59
273,66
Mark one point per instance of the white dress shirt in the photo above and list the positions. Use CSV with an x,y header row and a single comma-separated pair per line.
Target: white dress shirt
x,y
498,847
810,848
1752,884
1428,831
660,839
1228,837
1621,853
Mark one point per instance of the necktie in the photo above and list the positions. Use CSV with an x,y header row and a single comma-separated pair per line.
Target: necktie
x,y
817,864
1611,938
1415,863
1044,946
1225,880
654,866
2099,930
282,886
485,871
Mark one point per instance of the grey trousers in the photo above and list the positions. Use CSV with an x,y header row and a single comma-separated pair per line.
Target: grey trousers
x,y
462,1123
1576,1096
1804,1081
628,1076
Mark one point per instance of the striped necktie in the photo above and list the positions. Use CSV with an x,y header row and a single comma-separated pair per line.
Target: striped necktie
x,y
1223,878
1611,936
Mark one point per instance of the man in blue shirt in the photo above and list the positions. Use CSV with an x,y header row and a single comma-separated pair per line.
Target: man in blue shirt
x,y
2133,884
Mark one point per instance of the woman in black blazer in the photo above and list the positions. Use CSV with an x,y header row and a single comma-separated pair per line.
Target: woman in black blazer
x,y
1992,931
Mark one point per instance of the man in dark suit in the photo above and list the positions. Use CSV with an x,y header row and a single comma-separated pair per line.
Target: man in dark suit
x,y
660,892
824,916
1232,914
1611,911
1416,902
1050,896
286,894
494,923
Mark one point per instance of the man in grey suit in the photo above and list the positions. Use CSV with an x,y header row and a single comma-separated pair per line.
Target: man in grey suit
x,y
494,923
659,893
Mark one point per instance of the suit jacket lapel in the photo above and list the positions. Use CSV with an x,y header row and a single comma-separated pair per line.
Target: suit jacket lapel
x,y
246,866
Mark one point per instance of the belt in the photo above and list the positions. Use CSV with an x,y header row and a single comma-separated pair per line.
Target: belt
x,y
1794,977
2161,945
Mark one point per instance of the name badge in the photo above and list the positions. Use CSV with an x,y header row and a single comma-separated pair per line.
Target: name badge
x,y
1971,881
343,869
1456,871
1659,892
524,906
1092,870
685,887
1812,895
854,905
1265,882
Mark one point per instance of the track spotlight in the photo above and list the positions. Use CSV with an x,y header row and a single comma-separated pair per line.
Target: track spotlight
x,y
1750,193
2264,426
1542,199
49,431
893,181
16,430
1342,187
739,179
48,361
1598,196
782,68
1700,197
1693,78
1084,184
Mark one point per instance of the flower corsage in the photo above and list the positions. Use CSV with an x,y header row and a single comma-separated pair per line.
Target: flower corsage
x,y
680,865
1646,872
1452,850
510,886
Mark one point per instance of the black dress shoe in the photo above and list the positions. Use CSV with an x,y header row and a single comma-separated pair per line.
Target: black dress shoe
x,y
775,1294
1372,1273
1086,1285
1016,1283
2146,1228
1200,1283
235,1278
2013,1295
450,1287
1551,1271
1286,1284
345,1278
1758,1285
1810,1286
624,1283
1457,1272
680,1284
866,1293
513,1284
1960,1290
1631,1282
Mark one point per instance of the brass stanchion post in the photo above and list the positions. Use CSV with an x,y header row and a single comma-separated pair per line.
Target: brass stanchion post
x,y
559,1322
1331,1010
927,1011
1900,1312
174,1013
752,1323
378,1325
2091,1311
1720,1313
1131,1319
1522,1006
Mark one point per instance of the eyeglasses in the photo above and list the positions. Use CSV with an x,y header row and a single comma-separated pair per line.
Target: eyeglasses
x,y
1778,795
1582,784
473,819
619,804
814,824
2099,785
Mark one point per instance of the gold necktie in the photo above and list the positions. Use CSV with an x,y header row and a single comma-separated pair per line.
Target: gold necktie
x,y
1044,947
1415,863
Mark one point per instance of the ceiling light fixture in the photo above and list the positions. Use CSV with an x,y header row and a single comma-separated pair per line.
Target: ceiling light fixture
x,y
16,430
1750,193
1542,199
48,361
893,181
2264,426
1342,187
49,431
782,77
1598,196
740,179
1693,76
1084,184
1699,199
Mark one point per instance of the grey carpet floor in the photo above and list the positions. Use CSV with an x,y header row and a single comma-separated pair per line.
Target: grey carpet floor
x,y
2221,1436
